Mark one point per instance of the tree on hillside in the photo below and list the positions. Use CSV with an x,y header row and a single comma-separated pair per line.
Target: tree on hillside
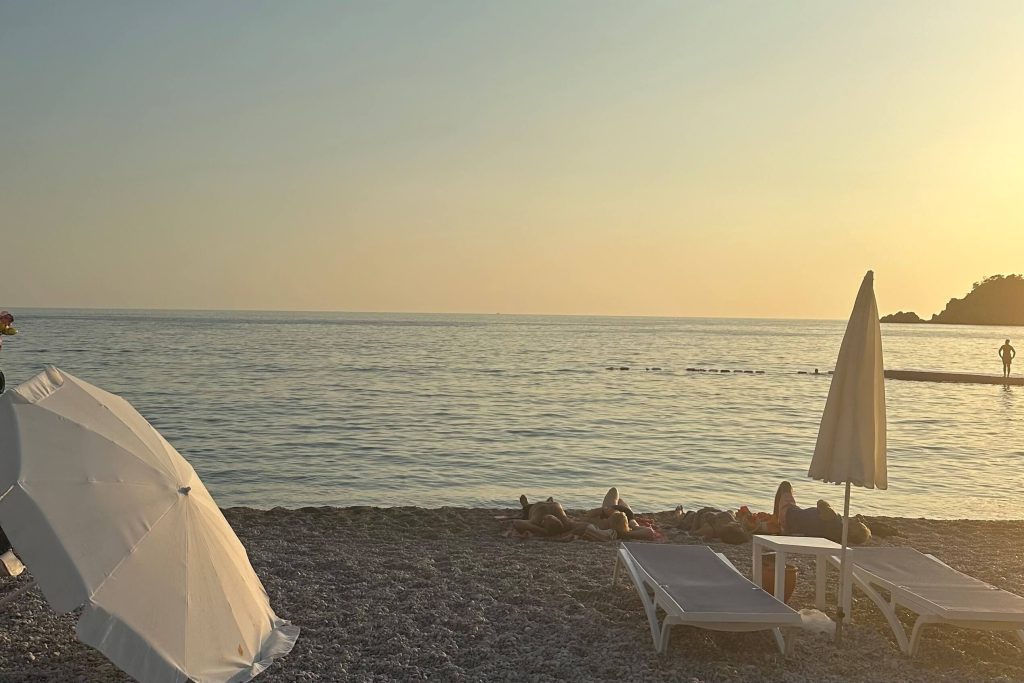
x,y
996,300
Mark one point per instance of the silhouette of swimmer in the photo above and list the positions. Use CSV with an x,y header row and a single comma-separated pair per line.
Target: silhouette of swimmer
x,y
1007,353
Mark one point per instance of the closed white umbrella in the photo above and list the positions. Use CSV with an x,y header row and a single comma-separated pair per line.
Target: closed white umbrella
x,y
851,439
107,515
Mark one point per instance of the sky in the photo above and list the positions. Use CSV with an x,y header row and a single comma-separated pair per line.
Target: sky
x,y
723,158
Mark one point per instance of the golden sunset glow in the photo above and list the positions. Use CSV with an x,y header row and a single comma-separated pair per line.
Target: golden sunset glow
x,y
726,159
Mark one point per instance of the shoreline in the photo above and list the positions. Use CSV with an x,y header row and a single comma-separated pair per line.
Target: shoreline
x,y
407,593
659,514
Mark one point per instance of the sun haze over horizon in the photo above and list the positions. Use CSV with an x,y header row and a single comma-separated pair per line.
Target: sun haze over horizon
x,y
728,159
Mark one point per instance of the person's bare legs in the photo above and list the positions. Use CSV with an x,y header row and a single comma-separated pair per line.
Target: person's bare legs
x,y
526,505
548,525
611,499
784,500
592,533
525,525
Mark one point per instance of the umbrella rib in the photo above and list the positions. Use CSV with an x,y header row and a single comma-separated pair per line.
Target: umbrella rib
x,y
188,594
131,551
167,475
119,418
216,568
91,481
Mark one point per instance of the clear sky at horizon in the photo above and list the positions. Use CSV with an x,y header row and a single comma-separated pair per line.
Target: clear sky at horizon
x,y
592,157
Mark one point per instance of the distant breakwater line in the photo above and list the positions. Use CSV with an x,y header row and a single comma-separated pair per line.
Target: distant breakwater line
x,y
952,377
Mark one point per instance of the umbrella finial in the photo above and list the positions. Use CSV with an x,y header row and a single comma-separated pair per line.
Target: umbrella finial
x,y
53,374
184,490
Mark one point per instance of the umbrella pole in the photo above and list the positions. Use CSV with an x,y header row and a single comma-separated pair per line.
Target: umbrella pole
x,y
11,596
840,613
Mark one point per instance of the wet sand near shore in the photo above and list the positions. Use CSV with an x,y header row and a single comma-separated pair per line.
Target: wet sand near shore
x,y
397,594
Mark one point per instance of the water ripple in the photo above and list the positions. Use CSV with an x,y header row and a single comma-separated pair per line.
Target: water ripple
x,y
303,409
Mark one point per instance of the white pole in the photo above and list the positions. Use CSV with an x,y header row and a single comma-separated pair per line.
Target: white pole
x,y
841,614
14,594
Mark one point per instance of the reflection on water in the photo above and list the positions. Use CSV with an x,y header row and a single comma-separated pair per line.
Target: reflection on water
x,y
1007,399
345,409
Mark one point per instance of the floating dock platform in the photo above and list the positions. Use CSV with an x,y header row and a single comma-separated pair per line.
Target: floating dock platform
x,y
956,377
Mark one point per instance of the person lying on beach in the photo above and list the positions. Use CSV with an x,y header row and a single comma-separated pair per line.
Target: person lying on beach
x,y
712,523
820,521
610,505
615,514
549,519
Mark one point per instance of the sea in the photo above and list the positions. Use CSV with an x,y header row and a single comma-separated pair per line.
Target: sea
x,y
309,409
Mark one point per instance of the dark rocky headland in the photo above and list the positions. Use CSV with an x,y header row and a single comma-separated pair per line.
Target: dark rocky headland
x,y
996,300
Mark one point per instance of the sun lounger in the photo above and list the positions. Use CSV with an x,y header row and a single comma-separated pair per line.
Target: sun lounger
x,y
695,586
933,590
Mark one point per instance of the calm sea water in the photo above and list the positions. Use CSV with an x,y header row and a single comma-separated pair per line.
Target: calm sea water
x,y
299,409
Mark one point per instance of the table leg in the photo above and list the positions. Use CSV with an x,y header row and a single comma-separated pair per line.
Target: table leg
x,y
848,602
780,574
820,568
755,569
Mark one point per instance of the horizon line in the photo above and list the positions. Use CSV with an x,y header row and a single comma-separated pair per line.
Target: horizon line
x,y
377,312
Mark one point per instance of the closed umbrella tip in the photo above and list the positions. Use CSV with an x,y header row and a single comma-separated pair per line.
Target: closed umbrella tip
x,y
54,375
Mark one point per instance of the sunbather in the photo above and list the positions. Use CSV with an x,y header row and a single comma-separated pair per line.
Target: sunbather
x,y
610,505
607,523
712,523
820,521
615,514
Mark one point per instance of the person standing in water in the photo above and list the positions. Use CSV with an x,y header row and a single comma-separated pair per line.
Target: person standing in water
x,y
1007,353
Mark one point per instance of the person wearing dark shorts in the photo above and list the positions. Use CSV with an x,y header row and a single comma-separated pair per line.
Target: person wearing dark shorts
x,y
1007,353
820,521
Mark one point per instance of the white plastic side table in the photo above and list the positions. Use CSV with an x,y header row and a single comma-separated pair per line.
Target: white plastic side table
x,y
821,548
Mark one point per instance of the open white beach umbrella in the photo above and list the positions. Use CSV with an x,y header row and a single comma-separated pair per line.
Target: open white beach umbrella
x,y
851,438
107,515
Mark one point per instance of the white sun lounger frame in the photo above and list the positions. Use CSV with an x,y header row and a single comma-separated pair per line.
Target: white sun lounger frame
x,y
928,613
653,597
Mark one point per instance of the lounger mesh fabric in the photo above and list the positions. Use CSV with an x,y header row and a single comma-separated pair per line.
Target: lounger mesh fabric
x,y
950,591
694,577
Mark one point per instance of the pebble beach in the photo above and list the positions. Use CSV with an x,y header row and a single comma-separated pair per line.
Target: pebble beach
x,y
398,594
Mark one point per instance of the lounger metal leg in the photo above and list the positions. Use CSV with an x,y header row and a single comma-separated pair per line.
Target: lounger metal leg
x,y
666,630
649,607
848,603
820,569
755,568
780,640
915,636
780,575
888,609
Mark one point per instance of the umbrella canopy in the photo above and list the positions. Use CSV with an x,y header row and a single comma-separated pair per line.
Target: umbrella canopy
x,y
107,514
851,439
